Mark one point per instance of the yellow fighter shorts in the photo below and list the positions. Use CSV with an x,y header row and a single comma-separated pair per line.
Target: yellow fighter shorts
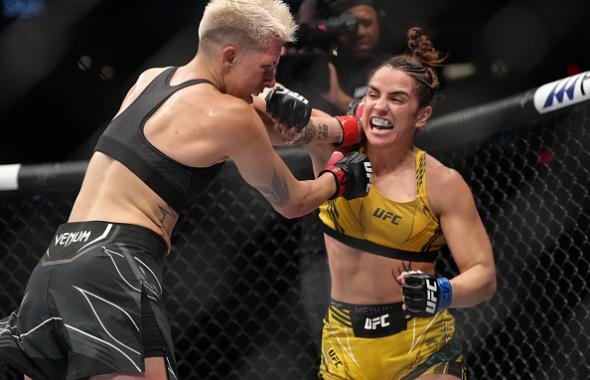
x,y
377,342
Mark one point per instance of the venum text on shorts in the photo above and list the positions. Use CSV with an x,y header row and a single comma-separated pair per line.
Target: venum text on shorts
x,y
67,238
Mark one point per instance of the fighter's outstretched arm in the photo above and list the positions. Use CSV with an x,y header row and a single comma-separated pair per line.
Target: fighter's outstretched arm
x,y
249,146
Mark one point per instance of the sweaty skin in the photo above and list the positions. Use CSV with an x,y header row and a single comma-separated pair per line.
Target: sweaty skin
x,y
360,277
201,134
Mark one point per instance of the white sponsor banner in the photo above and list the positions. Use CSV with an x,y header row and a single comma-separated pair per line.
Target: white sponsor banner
x,y
563,93
9,177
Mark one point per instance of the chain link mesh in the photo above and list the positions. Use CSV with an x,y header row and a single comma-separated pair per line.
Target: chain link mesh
x,y
246,289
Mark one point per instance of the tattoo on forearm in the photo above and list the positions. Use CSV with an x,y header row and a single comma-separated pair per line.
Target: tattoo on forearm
x,y
305,136
278,192
405,266
308,134
323,131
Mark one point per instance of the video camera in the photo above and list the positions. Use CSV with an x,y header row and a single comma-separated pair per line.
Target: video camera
x,y
323,33
305,66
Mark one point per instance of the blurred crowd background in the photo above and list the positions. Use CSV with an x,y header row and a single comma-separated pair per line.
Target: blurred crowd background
x,y
65,65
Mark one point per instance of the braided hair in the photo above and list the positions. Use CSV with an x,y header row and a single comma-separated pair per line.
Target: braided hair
x,y
419,63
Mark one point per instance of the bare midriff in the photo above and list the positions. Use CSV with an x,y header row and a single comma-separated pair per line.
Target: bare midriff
x,y
112,193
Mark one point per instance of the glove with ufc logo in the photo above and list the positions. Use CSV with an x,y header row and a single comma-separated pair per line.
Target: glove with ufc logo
x,y
352,174
288,107
425,294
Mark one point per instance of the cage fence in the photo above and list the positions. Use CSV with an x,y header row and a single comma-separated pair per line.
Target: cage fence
x,y
246,289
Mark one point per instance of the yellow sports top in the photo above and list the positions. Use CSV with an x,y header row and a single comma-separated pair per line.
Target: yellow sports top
x,y
405,231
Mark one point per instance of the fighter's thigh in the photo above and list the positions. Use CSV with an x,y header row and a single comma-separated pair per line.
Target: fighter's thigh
x,y
155,369
336,362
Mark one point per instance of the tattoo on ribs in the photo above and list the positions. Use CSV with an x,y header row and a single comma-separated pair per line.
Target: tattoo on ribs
x,y
278,192
165,213
405,266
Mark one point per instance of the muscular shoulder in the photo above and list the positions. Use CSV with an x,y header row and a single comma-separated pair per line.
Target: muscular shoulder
x,y
228,113
235,109
234,121
440,175
444,185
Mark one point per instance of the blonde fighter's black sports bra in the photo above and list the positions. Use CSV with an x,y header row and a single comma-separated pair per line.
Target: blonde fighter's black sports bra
x,y
125,141
405,231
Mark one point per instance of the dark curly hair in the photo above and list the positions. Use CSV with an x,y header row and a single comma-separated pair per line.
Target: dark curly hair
x,y
419,63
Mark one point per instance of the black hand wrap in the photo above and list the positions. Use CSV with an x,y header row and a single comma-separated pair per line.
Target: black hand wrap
x,y
352,174
425,294
288,107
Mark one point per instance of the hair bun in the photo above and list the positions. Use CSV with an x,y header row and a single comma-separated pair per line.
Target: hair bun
x,y
421,47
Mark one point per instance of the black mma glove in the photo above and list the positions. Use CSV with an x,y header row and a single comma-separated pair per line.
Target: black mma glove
x,y
352,174
425,294
288,107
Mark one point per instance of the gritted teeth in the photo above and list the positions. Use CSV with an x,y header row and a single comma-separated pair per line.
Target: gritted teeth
x,y
378,122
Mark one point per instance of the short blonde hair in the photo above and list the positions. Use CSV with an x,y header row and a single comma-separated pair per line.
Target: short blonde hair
x,y
257,21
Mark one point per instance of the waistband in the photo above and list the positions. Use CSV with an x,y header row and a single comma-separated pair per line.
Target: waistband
x,y
72,239
368,309
369,321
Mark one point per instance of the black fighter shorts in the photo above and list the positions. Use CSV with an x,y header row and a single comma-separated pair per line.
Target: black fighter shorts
x,y
93,305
